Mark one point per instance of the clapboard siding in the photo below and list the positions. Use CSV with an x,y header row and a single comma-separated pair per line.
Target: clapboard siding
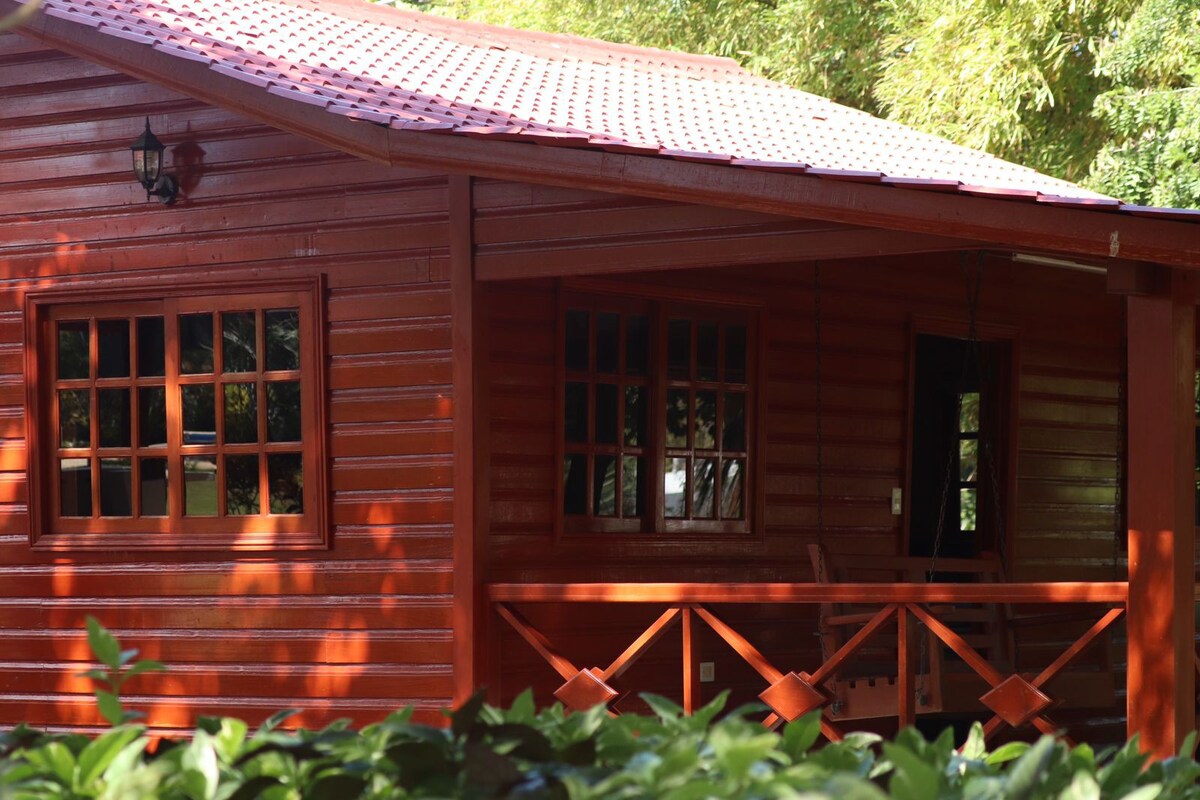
x,y
353,631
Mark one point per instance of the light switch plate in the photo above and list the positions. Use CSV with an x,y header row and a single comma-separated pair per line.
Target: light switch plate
x,y
897,501
708,671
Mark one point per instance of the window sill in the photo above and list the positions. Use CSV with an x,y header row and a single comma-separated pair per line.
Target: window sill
x,y
234,542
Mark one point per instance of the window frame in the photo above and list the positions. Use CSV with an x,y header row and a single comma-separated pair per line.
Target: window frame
x,y
50,531
660,305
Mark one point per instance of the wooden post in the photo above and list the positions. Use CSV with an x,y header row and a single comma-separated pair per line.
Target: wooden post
x,y
1161,498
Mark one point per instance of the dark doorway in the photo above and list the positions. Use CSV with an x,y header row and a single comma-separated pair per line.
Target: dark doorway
x,y
960,425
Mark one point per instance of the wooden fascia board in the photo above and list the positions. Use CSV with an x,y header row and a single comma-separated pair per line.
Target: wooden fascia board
x,y
568,258
1001,222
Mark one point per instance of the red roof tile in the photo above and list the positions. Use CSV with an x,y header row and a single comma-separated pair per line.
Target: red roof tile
x,y
419,72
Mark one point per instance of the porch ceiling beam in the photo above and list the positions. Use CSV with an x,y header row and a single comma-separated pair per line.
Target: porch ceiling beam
x,y
570,257
1004,222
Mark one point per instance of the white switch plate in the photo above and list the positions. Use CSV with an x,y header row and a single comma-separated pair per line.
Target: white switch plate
x,y
708,671
897,501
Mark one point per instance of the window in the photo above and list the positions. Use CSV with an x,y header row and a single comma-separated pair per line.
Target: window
x,y
181,422
656,416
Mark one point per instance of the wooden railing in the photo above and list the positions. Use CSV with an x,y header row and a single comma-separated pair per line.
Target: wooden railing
x,y
1013,699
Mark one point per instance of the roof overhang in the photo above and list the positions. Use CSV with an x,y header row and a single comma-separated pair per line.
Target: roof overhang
x,y
1094,233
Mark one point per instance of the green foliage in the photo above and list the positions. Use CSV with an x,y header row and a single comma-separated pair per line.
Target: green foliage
x,y
521,752
117,667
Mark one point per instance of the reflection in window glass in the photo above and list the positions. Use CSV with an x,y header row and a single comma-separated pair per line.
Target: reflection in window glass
x,y
704,477
75,487
113,348
199,413
968,459
606,413
285,476
241,413
735,354
153,487
608,342
241,485
966,509
575,484
733,431
113,407
74,418
604,488
577,341
283,411
679,349
116,487
239,343
151,347
675,487
195,344
706,420
635,416
637,344
732,489
706,351
677,418
200,486
73,356
968,413
283,339
152,416
633,487
575,412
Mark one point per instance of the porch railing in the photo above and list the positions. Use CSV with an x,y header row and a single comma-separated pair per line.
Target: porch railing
x,y
1013,699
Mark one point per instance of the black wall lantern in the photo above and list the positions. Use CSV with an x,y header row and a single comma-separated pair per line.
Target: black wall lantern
x,y
147,167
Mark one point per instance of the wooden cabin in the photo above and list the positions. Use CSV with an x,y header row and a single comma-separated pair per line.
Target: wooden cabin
x,y
467,357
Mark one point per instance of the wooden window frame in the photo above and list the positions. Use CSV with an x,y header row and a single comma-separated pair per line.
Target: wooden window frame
x,y
50,531
660,307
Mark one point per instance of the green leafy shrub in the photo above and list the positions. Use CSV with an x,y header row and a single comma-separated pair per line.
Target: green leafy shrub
x,y
521,752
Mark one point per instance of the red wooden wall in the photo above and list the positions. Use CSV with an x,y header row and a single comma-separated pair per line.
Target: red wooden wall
x,y
358,630
1069,343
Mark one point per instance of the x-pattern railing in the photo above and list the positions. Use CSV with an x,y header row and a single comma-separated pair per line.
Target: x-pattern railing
x,y
1014,699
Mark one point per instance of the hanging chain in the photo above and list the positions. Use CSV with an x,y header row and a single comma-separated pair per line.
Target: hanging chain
x,y
1120,524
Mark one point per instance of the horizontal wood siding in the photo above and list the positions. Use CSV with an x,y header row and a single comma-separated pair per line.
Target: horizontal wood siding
x,y
1069,342
355,631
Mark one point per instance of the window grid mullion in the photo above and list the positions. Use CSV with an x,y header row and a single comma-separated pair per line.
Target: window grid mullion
x,y
260,389
172,385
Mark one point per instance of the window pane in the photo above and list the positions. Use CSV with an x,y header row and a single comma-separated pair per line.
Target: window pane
x,y
73,350
966,509
637,344
732,483
199,413
152,416
577,341
633,486
704,481
968,459
679,349
733,431
154,486
735,354
968,413
604,490
677,417
200,486
606,413
706,421
116,487
635,416
113,347
608,342
283,339
239,345
575,412
151,347
75,487
241,412
74,418
706,352
574,484
285,475
114,418
195,344
675,487
283,411
241,485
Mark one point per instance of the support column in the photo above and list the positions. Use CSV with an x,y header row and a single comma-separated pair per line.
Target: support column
x,y
1161,499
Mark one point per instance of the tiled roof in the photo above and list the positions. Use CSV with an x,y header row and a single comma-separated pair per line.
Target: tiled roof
x,y
414,71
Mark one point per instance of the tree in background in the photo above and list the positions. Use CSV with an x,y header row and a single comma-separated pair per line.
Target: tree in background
x,y
22,14
1100,91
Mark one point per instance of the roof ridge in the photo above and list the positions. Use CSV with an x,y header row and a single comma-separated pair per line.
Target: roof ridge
x,y
537,43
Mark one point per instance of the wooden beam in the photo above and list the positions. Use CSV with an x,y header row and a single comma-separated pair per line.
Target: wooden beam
x,y
1161,513
1136,278
707,249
